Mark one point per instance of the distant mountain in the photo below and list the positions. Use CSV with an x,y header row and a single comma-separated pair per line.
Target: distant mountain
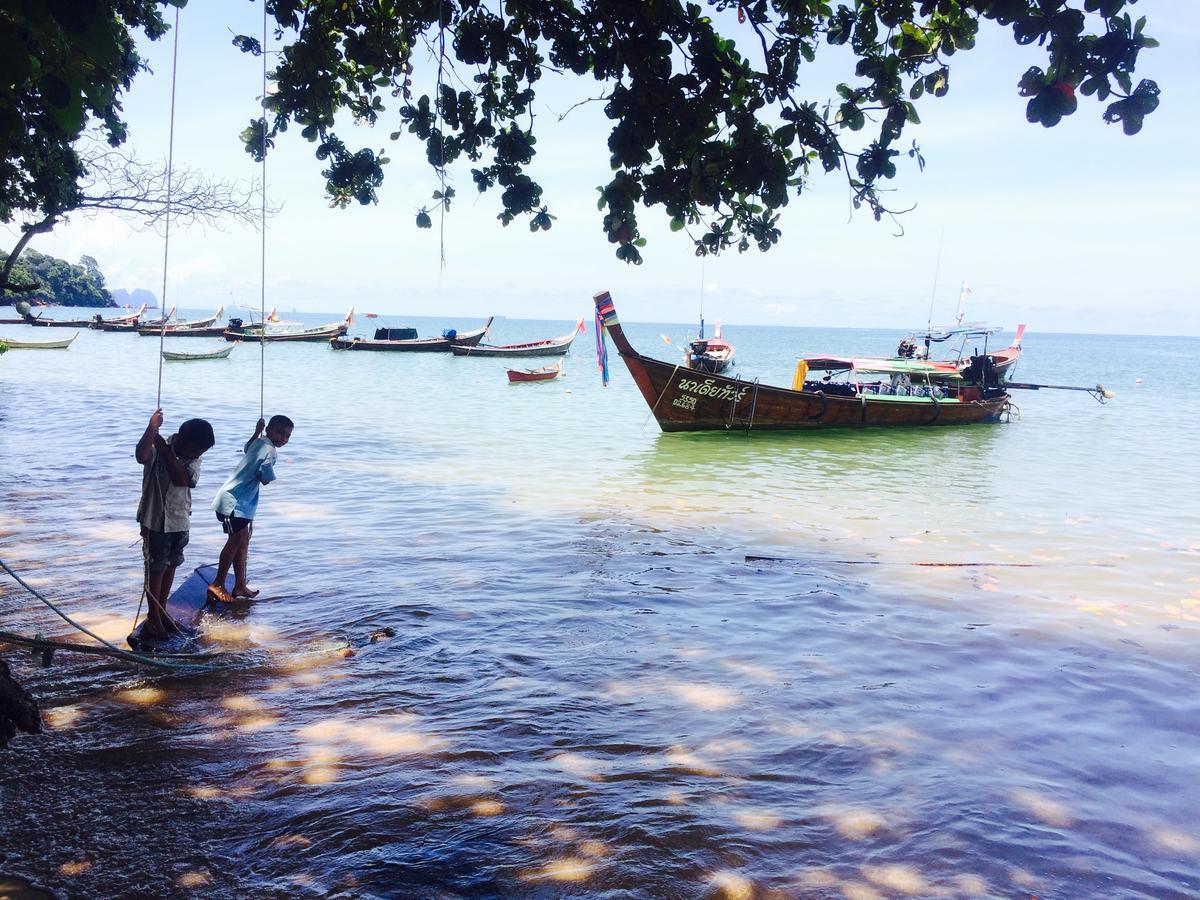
x,y
135,298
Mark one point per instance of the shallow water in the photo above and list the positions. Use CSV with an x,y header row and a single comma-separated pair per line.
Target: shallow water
x,y
591,690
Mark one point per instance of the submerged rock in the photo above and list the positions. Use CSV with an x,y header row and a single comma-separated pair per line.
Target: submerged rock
x,y
18,710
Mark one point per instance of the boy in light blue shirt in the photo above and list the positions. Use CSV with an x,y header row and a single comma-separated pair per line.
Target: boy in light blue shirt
x,y
237,502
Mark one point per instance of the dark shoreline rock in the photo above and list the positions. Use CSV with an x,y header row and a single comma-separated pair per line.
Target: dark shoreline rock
x,y
18,710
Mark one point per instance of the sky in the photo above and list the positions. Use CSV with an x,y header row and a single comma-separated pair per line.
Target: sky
x,y
1076,228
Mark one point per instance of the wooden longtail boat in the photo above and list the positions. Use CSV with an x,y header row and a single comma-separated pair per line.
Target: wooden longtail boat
x,y
682,400
713,354
442,344
319,334
207,331
158,323
40,345
180,356
127,322
545,373
43,322
116,326
256,334
197,328
549,347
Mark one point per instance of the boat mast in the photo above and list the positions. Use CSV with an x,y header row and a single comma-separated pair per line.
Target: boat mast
x,y
933,294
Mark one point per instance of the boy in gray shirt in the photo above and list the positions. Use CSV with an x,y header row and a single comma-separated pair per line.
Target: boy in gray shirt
x,y
170,469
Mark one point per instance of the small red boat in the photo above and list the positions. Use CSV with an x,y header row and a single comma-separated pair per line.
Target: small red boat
x,y
545,373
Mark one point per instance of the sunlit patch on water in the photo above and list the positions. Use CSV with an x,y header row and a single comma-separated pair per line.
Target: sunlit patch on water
x,y
74,869
1174,841
61,718
193,879
856,824
731,885
144,696
1044,808
567,869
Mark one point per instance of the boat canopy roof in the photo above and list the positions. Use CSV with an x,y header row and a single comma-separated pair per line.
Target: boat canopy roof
x,y
876,366
941,333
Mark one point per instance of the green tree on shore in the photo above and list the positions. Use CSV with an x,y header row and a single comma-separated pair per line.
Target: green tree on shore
x,y
709,118
60,282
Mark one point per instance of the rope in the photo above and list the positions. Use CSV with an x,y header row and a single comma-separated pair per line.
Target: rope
x,y
262,304
162,335
441,141
116,651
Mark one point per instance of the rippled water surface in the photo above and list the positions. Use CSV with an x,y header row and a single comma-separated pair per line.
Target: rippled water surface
x,y
591,690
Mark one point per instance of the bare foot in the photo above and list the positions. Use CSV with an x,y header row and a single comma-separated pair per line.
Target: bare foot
x,y
244,592
218,593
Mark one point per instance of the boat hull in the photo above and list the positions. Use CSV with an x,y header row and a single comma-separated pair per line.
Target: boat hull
x,y
549,347
312,335
177,356
546,349
416,345
39,345
546,373
60,323
209,332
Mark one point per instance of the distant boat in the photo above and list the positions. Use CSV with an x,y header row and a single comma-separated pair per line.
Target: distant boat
x,y
158,323
549,347
196,328
545,373
127,322
43,322
179,356
257,334
710,354
444,344
40,345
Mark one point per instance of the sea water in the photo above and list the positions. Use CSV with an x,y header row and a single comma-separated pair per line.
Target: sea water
x,y
966,666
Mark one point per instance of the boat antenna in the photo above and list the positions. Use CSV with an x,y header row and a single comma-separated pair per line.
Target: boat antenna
x,y
933,294
702,261
262,300
162,334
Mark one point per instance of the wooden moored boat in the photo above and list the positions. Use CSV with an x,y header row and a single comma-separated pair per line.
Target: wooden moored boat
x,y
180,356
127,322
158,323
713,354
443,344
545,373
196,328
683,400
549,347
39,345
256,334
43,322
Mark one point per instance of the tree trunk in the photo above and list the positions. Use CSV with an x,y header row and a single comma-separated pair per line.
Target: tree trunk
x,y
18,709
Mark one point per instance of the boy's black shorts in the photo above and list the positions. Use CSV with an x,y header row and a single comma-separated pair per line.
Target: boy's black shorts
x,y
163,549
233,524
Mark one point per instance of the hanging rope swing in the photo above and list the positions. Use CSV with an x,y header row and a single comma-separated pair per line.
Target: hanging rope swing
x,y
262,302
162,334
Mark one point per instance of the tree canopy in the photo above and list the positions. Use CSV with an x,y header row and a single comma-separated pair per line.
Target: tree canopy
x,y
709,119
61,282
